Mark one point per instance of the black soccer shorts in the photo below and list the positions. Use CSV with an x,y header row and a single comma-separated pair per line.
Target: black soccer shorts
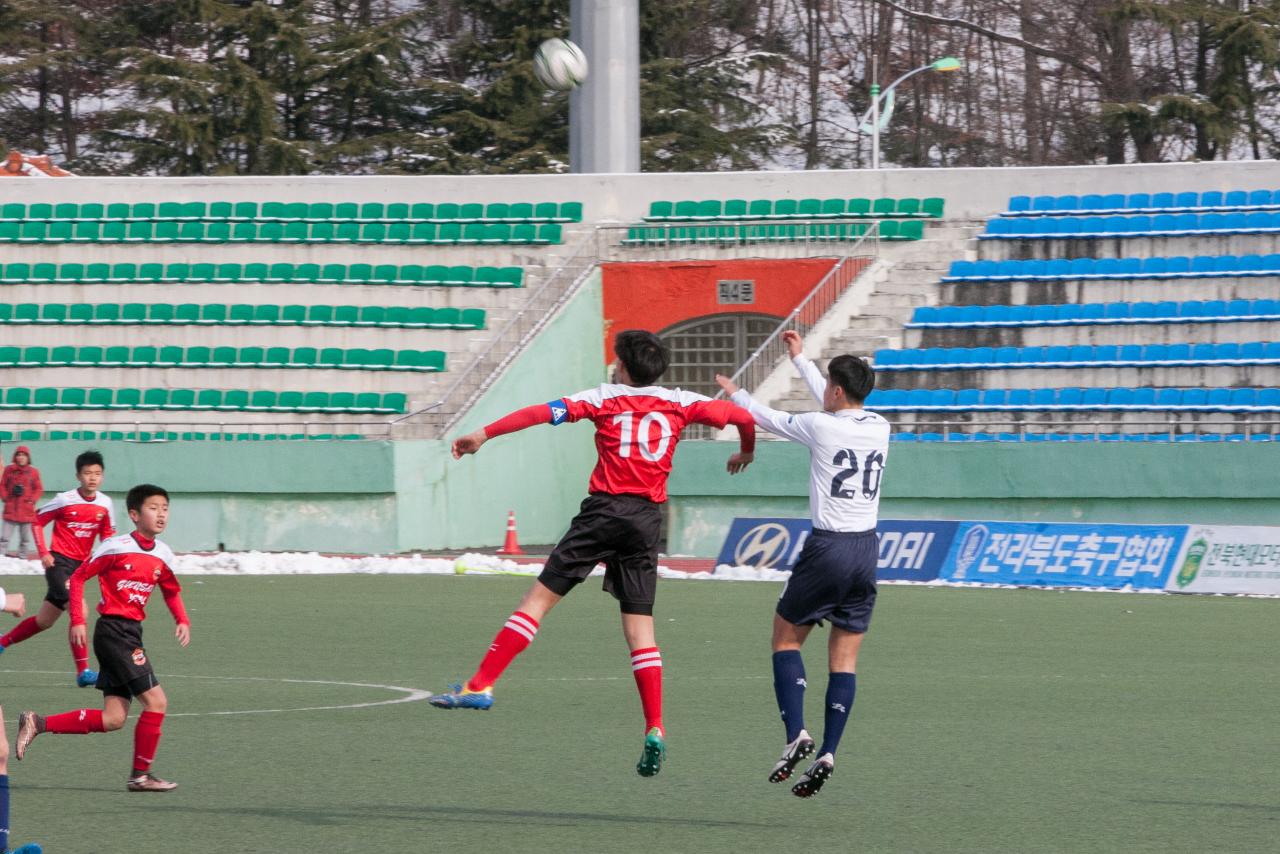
x,y
834,579
123,667
58,577
620,531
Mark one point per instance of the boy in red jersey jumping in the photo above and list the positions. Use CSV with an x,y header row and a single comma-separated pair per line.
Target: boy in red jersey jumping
x,y
637,427
78,516
129,568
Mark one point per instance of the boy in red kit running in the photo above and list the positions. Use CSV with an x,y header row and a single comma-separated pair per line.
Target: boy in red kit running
x,y
129,568
78,516
637,427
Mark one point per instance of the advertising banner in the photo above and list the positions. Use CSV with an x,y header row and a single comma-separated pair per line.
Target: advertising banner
x,y
1226,559
909,551
1064,555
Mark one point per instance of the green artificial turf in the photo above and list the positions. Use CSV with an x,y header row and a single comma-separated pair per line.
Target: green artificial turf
x,y
986,720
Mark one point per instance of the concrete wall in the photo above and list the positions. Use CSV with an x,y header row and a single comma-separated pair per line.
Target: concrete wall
x,y
1231,484
969,193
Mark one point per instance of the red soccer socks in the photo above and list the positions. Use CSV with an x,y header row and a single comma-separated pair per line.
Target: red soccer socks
x,y
20,632
146,737
513,639
646,667
81,656
79,722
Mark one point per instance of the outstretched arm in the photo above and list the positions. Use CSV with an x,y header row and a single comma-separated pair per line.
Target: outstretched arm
x,y
795,427
808,370
519,420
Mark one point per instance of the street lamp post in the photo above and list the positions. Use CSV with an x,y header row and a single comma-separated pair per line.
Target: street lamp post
x,y
874,113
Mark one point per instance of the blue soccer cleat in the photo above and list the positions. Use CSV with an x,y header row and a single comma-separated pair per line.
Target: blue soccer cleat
x,y
459,698
29,848
87,678
655,750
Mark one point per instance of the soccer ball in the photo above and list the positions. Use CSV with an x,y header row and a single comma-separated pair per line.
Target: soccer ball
x,y
560,64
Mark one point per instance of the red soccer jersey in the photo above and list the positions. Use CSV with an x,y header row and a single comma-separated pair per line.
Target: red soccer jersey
x,y
637,430
76,522
129,568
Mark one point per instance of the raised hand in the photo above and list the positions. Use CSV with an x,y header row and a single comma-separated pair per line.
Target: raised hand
x,y
795,344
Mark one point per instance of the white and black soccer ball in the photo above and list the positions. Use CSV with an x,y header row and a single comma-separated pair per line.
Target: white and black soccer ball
x,y
560,64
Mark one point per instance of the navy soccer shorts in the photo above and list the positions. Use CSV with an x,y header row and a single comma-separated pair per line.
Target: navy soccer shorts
x,y
620,531
834,580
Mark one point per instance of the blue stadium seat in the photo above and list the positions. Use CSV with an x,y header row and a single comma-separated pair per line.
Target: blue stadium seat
x,y
1093,311
1019,204
1119,398
918,398
1116,311
1058,355
1230,222
1001,314
1047,226
930,437
1070,397
1250,265
1042,313
1268,398
1107,268
931,356
1113,201
1018,398
900,437
1105,353
987,270
1248,353
1211,199
965,314
1218,398
1226,265
1058,268
1260,198
961,270
924,315
1031,356
1082,267
1186,200
1256,223
1080,353
1271,351
1163,224
1066,203
942,398
1155,267
886,358
993,398
1141,310
1244,398
1203,352
1107,225
1193,398
1005,355
1144,398
1044,398
1138,202
1214,308
999,227
976,356
1043,204
968,398
1071,312
1094,398
1175,352
1091,202
1162,201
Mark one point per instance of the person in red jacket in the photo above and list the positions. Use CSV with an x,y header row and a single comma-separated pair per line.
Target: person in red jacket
x,y
79,516
20,489
129,569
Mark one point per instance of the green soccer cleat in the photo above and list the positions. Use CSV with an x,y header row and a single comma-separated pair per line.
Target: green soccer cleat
x,y
655,750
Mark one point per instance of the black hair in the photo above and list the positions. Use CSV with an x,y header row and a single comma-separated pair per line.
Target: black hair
x,y
853,375
141,493
643,355
89,458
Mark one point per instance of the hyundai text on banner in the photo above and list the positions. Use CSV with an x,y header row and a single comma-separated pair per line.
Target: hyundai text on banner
x,y
1048,555
909,551
1222,559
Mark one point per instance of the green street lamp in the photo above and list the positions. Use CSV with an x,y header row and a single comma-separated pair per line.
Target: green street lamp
x,y
876,119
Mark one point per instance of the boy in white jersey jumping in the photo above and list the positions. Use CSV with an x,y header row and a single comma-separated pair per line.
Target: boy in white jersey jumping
x,y
835,577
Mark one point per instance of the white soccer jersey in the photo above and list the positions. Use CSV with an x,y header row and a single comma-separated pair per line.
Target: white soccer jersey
x,y
847,453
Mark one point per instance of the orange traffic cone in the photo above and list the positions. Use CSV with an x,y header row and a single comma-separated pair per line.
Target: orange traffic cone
x,y
511,546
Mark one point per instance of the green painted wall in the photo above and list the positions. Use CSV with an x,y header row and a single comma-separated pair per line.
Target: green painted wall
x,y
541,473
1069,482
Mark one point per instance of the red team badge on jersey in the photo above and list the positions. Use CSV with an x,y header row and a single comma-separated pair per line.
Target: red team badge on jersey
x,y
139,657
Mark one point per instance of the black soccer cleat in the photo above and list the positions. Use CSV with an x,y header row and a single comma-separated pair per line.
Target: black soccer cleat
x,y
797,750
810,782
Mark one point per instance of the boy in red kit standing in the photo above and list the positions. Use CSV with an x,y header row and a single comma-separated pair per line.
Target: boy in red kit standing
x,y
78,516
20,490
129,568
637,427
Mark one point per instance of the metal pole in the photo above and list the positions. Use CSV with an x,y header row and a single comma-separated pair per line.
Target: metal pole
x,y
875,112
604,112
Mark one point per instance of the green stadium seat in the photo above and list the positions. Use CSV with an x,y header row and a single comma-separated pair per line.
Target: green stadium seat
x,y
240,314
107,313
142,211
10,231
385,274
91,210
341,401
45,398
113,232
314,401
932,207
449,232
114,357
167,232
359,272
330,357
364,402
908,207
319,212
244,232
445,212
100,398
186,314
16,272
470,212
734,209
209,398
435,274
371,315
345,315
149,273
293,315
275,357
913,230
548,234
6,313
53,312
270,232
213,314
446,318
459,275
180,399
202,272
785,209
266,314
422,232
143,357
432,360
13,211
323,232
10,356
234,400
809,208
223,357
570,212
356,358
196,357
494,233
34,357
288,401
40,211
347,232
32,232
139,232
884,207
171,357
396,212
254,272
63,356
419,317
154,398
318,315
80,313
73,398
59,232
393,403
133,313
524,233
16,398
371,212
43,273
194,210
398,315
116,212
86,232
262,400
176,272
496,212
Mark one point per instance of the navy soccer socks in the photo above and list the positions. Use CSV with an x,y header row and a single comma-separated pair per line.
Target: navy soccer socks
x,y
840,690
4,812
788,686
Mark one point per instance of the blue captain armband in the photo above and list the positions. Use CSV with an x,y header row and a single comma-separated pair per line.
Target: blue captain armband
x,y
559,412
